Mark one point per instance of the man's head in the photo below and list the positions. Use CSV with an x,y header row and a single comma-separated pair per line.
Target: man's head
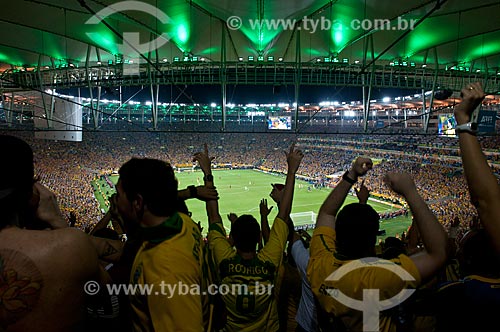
x,y
477,256
277,192
16,179
146,185
356,228
246,233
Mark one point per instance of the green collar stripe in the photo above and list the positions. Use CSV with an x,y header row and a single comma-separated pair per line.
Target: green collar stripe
x,y
166,230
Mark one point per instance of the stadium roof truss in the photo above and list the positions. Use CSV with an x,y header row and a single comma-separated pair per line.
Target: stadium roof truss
x,y
95,44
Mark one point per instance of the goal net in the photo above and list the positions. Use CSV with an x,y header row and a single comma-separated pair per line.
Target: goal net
x,y
304,220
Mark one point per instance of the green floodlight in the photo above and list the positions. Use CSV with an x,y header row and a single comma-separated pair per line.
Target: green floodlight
x,y
250,58
345,60
176,59
270,58
110,62
412,64
195,58
326,59
260,58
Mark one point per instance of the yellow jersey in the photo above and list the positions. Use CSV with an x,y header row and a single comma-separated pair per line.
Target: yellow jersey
x,y
324,260
167,276
248,286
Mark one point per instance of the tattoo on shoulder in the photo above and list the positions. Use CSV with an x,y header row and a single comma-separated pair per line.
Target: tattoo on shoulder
x,y
20,286
109,250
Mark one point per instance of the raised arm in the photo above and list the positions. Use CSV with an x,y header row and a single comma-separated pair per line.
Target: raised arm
x,y
293,158
432,233
483,185
264,222
200,192
205,164
332,204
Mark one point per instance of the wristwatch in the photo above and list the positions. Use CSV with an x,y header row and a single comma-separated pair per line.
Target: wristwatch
x,y
469,127
209,178
346,178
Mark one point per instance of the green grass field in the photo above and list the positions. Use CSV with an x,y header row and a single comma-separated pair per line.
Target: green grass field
x,y
240,192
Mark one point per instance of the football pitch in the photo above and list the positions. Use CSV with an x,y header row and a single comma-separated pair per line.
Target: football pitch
x,y
240,192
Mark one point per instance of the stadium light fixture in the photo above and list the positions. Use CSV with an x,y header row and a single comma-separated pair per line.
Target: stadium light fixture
x,y
270,58
345,60
260,58
386,99
326,59
240,59
213,105
250,58
280,59
176,59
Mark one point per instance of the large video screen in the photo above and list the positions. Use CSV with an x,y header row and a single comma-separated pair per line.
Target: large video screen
x,y
279,122
446,125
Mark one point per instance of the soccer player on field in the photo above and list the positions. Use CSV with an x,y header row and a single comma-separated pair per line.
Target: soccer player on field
x,y
249,277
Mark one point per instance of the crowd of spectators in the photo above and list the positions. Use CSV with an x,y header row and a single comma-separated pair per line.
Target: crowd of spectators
x,y
450,252
68,168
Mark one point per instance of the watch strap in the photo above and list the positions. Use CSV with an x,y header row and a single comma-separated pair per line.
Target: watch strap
x,y
346,178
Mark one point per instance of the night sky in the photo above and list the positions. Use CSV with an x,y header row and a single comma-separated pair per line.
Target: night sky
x,y
244,94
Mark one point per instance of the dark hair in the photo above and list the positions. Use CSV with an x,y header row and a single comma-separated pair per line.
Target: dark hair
x,y
356,228
477,256
16,179
154,180
393,247
245,232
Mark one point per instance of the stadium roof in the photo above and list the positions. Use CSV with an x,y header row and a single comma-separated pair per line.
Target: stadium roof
x,y
57,32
